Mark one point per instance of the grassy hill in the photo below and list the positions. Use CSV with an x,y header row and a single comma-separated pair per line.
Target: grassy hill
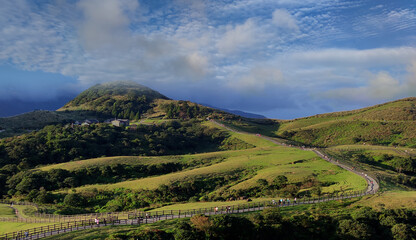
x,y
392,123
117,99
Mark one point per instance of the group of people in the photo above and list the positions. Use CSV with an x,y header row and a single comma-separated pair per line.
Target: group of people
x,y
97,221
227,209
282,201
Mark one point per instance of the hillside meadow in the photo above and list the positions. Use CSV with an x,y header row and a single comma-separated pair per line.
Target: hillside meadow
x,y
266,161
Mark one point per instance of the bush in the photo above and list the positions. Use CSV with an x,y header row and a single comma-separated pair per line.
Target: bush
x,y
74,200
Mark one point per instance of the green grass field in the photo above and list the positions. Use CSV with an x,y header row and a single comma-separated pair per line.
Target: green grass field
x,y
9,227
6,211
390,200
199,205
377,150
97,162
26,211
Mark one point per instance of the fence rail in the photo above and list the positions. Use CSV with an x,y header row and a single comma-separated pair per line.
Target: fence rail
x,y
140,217
24,220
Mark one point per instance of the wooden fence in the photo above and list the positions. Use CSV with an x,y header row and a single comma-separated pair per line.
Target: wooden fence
x,y
140,217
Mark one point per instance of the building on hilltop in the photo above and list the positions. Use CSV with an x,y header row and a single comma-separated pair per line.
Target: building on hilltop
x,y
88,122
121,122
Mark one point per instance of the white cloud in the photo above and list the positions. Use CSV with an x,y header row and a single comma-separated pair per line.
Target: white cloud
x,y
192,67
283,19
252,46
239,37
257,80
380,87
348,57
411,79
105,23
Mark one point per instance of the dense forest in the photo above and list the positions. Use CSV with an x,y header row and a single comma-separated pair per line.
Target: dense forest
x,y
57,144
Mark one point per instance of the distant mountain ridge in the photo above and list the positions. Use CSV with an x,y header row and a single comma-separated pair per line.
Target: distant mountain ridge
x,y
238,112
14,107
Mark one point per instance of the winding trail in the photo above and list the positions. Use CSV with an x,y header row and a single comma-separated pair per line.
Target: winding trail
x,y
372,184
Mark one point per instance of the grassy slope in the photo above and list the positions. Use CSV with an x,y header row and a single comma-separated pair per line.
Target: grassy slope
x,y
127,160
388,123
8,227
390,200
6,211
267,161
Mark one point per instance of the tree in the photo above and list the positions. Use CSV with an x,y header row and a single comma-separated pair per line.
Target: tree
x,y
280,181
402,231
152,234
201,222
230,227
184,231
354,229
271,216
74,200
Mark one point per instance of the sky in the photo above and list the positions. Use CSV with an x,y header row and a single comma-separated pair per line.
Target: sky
x,y
280,58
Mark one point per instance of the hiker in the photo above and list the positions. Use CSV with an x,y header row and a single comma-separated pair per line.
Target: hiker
x,y
294,200
216,209
105,222
96,221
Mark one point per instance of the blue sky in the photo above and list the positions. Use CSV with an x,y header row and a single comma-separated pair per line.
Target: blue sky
x,y
280,58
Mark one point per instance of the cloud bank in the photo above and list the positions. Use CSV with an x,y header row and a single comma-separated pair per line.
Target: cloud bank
x,y
263,56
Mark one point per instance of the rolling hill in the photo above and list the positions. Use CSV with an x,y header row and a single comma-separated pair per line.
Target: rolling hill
x,y
392,123
120,99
